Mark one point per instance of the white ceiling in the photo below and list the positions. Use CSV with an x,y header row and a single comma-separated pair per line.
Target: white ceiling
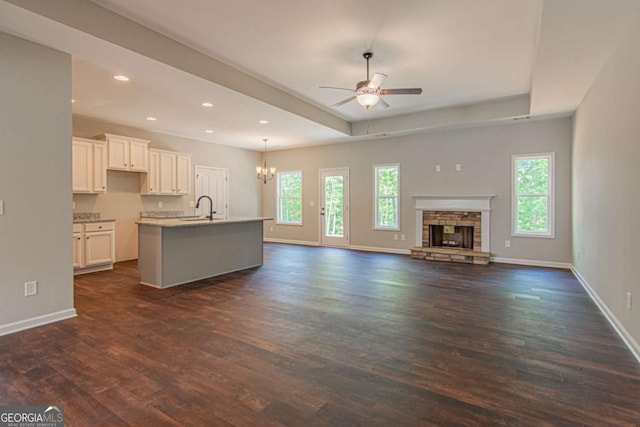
x,y
459,51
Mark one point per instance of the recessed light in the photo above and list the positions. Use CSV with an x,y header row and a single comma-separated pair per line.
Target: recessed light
x,y
121,78
207,104
208,131
152,119
263,122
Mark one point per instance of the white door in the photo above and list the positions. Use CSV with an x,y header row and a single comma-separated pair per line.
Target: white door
x,y
212,182
334,207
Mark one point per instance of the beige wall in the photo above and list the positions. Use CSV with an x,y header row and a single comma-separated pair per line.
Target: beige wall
x,y
123,201
485,155
35,179
606,185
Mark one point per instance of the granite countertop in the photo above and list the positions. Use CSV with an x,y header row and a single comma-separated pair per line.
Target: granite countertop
x,y
88,221
195,221
89,217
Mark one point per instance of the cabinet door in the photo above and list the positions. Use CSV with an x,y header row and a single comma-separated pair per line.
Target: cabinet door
x,y
78,252
152,185
118,154
82,167
99,168
183,174
138,155
99,248
167,173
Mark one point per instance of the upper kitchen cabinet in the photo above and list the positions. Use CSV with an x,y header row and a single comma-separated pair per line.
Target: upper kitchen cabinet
x,y
89,165
126,153
169,173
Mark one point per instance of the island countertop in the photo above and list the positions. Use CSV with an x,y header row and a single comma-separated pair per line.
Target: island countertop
x,y
196,222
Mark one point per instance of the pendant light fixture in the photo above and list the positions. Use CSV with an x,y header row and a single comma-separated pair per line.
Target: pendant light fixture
x,y
263,172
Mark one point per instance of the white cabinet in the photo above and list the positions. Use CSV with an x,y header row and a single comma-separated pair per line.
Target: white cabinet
x,y
93,246
169,173
183,174
99,167
89,166
126,153
78,246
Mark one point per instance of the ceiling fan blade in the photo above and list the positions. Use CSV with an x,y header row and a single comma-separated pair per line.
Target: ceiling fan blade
x,y
338,88
344,101
411,91
376,80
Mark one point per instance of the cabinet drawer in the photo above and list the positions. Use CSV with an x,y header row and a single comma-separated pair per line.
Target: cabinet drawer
x,y
77,228
98,226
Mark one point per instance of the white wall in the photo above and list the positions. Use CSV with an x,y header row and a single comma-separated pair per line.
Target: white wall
x,y
485,155
606,185
124,203
35,179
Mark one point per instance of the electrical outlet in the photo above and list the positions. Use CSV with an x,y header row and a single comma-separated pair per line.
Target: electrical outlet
x,y
438,169
458,167
192,204
2,207
30,288
159,204
271,229
395,236
74,205
403,237
312,203
507,243
628,300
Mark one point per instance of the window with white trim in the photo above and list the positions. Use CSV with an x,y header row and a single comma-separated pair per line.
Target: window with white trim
x,y
532,199
387,195
290,197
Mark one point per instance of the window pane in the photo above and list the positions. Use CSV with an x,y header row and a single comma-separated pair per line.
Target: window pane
x,y
290,197
532,214
290,184
388,181
334,206
387,212
387,190
290,210
532,176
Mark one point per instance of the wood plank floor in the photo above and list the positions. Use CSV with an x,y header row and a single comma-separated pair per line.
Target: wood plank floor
x,y
321,336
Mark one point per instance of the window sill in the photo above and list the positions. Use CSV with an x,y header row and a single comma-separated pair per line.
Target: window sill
x,y
539,236
296,224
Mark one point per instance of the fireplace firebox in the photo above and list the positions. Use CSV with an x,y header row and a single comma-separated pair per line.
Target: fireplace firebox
x,y
451,236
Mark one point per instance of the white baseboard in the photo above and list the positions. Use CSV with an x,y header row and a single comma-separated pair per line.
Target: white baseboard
x,y
21,325
382,250
619,328
531,262
291,242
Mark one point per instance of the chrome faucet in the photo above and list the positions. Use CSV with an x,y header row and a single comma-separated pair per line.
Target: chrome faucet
x,y
210,203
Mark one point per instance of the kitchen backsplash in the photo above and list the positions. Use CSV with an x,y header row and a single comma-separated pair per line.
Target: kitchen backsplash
x,y
83,216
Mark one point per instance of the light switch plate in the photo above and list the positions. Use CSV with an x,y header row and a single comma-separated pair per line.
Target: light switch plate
x,y
312,203
1,207
458,167
438,169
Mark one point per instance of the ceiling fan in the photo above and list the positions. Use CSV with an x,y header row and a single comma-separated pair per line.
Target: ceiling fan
x,y
368,92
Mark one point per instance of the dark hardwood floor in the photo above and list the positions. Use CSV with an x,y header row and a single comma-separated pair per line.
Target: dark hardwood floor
x,y
321,336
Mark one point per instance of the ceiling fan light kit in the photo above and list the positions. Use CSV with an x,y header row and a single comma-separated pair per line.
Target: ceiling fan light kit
x,y
368,92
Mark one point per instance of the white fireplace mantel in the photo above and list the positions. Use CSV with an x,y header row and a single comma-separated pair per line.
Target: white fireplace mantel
x,y
473,203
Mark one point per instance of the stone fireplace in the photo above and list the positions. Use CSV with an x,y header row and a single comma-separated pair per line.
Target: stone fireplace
x,y
453,228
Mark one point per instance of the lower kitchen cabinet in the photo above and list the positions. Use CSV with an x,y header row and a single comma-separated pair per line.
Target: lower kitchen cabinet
x,y
93,247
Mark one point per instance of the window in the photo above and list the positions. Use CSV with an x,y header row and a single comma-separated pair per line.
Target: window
x,y
387,186
290,197
532,197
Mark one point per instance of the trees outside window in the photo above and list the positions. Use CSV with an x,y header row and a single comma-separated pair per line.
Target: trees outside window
x,y
387,190
290,197
533,195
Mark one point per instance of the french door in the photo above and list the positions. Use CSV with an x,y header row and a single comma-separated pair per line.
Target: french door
x,y
212,182
334,207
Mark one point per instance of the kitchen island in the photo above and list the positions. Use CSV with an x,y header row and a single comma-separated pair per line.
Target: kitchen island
x,y
176,251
